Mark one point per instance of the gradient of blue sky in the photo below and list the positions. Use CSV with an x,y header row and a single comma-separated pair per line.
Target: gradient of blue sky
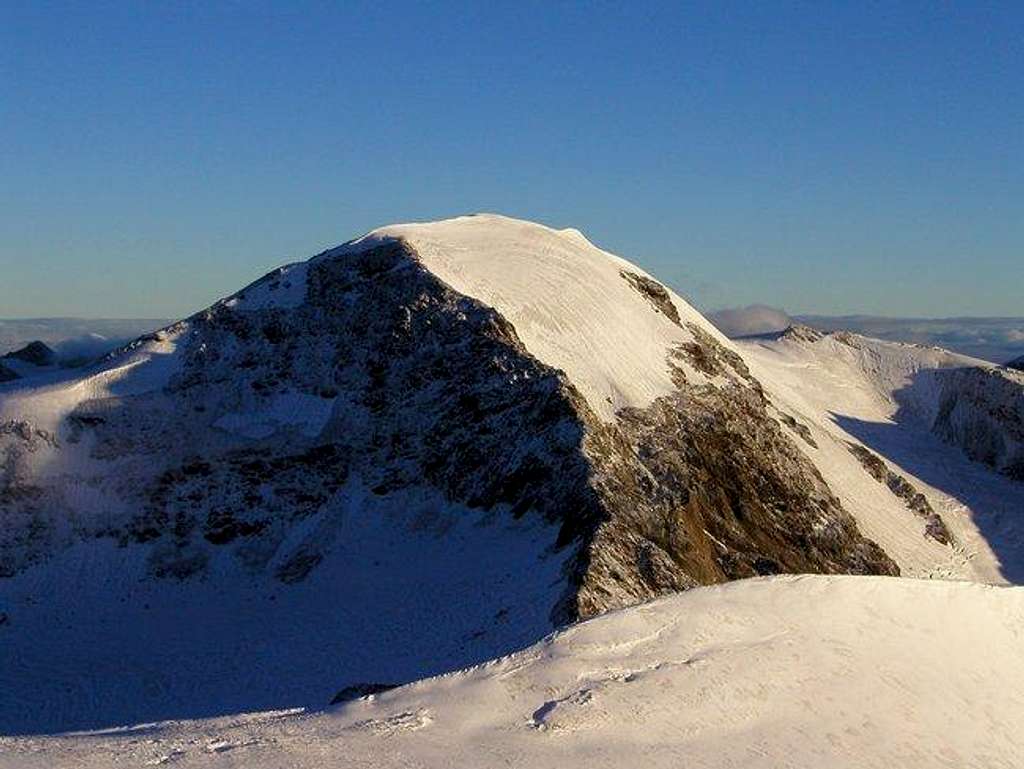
x,y
824,157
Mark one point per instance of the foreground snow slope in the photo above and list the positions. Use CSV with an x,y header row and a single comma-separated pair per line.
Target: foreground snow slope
x,y
786,671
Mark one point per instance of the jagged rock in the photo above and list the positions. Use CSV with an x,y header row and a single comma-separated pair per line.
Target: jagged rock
x,y
798,332
654,292
799,428
704,487
396,442
982,411
6,375
700,486
847,338
1017,364
358,691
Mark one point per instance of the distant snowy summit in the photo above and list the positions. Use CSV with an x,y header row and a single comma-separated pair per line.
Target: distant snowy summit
x,y
447,438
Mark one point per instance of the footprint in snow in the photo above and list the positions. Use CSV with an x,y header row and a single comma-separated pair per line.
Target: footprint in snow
x,y
569,714
409,721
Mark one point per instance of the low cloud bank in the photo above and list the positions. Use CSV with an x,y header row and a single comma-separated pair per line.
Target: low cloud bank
x,y
74,339
995,339
747,321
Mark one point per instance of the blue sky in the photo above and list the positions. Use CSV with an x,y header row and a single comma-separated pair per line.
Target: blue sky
x,y
826,158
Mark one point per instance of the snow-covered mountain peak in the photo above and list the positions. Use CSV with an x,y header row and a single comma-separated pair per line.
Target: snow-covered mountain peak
x,y
603,321
486,411
574,306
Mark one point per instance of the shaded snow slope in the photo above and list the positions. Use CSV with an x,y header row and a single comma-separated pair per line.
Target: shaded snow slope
x,y
803,672
413,587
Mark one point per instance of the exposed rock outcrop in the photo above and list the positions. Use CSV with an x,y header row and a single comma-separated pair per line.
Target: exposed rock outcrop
x,y
653,292
36,353
798,332
982,412
914,500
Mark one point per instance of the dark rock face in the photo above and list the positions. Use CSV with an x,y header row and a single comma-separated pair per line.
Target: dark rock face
x,y
798,332
703,486
6,375
1017,364
654,293
847,338
802,430
914,500
27,510
425,387
35,353
982,412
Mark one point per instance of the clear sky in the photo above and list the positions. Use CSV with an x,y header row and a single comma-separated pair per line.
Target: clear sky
x,y
824,157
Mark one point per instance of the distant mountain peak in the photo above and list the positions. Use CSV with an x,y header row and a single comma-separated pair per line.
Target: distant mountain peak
x,y
799,332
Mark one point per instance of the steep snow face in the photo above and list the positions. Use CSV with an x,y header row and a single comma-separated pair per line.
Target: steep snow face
x,y
807,672
921,409
572,304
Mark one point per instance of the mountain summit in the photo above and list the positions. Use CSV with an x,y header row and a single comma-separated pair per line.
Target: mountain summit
x,y
416,451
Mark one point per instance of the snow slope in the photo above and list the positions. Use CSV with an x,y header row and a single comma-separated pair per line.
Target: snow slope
x,y
802,672
883,395
91,640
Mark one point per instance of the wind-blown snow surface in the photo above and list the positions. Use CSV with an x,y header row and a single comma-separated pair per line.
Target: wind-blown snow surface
x,y
90,639
801,672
